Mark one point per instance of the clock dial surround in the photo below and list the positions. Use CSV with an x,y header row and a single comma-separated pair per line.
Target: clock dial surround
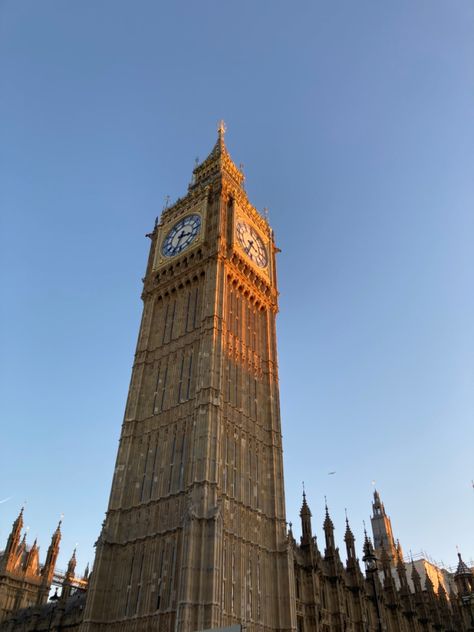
x,y
251,244
181,235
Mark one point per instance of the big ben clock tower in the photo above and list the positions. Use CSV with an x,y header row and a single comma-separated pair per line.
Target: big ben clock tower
x,y
195,535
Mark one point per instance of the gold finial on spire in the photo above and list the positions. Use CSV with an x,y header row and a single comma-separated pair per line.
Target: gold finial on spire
x,y
221,129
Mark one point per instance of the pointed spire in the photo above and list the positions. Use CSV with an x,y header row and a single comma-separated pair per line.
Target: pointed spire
x,y
86,572
71,567
221,130
13,542
350,543
57,532
348,536
52,555
18,524
328,530
305,515
32,561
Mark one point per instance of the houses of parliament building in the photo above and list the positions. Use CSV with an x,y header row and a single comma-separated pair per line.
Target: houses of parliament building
x,y
195,536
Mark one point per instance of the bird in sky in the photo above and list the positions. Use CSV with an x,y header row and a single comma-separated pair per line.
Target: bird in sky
x,y
329,473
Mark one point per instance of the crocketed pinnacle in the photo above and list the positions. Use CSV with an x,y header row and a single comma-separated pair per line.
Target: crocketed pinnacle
x,y
328,523
368,548
328,527
348,536
18,524
71,567
305,510
305,515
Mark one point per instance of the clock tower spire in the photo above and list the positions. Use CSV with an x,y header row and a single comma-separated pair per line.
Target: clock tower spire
x,y
195,534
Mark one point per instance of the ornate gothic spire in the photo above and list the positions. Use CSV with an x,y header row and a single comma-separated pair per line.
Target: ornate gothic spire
x,y
52,555
71,567
13,542
350,544
305,515
328,527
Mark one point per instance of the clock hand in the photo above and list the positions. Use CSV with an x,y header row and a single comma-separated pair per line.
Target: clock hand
x,y
183,234
249,247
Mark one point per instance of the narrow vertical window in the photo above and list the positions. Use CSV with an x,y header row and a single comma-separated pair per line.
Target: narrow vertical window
x,y
224,575
173,449
232,313
153,469
226,465
259,613
181,371
157,386
145,469
160,579
249,395
232,597
129,584
190,374
257,477
139,584
249,491
163,387
181,462
172,320
228,380
255,399
187,311
165,323
234,470
249,585
195,311
172,574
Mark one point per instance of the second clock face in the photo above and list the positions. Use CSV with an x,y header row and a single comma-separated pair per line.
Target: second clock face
x,y
181,235
251,243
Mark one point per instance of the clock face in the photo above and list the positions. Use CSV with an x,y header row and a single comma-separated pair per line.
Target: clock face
x,y
181,235
251,244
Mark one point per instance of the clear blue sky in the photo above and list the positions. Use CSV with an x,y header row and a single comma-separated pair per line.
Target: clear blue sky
x,y
354,121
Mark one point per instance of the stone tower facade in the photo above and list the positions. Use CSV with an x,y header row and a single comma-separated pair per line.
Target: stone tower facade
x,y
195,534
